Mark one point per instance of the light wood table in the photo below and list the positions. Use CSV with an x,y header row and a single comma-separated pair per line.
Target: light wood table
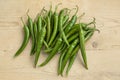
x,y
103,50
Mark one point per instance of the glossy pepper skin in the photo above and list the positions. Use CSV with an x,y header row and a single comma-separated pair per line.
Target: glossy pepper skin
x,y
82,45
60,24
55,29
25,41
39,23
30,25
48,32
41,37
35,36
39,27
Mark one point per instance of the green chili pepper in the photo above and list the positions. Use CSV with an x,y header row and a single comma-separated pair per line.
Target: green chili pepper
x,y
65,20
60,24
87,36
90,33
73,37
68,54
71,22
25,41
53,52
39,23
84,26
71,61
39,27
66,17
30,25
50,13
48,50
48,29
75,50
55,40
75,29
74,53
56,37
70,39
72,32
55,28
61,60
35,35
82,45
40,43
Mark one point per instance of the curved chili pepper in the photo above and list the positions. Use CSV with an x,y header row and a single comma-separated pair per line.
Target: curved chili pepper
x,y
55,28
30,25
82,45
25,41
39,44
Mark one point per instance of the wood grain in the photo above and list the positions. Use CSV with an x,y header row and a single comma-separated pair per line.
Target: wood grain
x,y
103,50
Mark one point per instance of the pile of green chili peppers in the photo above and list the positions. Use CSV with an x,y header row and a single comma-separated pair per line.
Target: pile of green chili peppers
x,y
57,32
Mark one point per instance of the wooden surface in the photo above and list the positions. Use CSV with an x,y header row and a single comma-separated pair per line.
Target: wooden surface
x,y
103,50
